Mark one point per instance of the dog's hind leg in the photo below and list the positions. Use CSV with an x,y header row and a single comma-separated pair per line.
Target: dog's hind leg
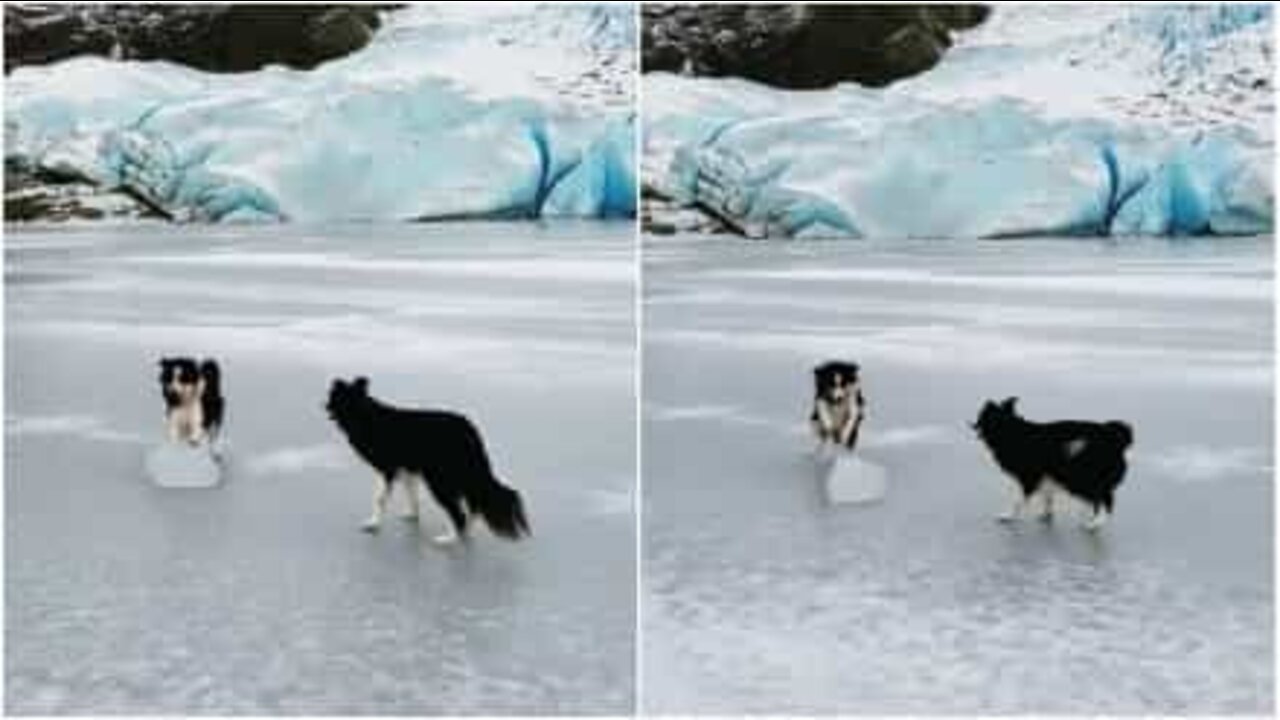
x,y
381,489
1097,519
1101,513
452,505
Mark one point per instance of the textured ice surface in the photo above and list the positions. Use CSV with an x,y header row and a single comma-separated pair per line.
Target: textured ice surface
x,y
262,597
850,479
473,112
178,465
1067,120
760,596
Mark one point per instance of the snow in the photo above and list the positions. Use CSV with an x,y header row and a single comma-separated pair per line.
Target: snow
x,y
760,597
1047,120
447,113
261,596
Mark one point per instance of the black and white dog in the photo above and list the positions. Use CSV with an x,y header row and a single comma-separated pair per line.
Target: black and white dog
x,y
194,406
1085,459
838,404
442,448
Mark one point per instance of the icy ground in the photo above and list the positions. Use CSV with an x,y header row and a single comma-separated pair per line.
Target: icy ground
x,y
760,597
262,596
1087,120
498,111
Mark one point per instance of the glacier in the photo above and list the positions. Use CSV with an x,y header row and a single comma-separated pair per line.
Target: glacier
x,y
485,112
1047,120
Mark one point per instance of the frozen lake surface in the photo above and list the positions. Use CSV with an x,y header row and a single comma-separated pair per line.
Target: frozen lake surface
x,y
261,596
760,597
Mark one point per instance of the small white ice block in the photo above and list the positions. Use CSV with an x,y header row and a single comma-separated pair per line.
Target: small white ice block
x,y
853,480
181,465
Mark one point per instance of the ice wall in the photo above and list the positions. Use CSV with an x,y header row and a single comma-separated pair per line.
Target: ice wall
x,y
449,112
1075,120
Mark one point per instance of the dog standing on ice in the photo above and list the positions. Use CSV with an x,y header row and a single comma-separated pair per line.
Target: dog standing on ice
x,y
1085,459
836,420
194,405
441,448
838,405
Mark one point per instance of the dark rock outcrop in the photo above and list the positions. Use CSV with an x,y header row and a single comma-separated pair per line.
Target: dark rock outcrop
x,y
802,46
34,193
212,37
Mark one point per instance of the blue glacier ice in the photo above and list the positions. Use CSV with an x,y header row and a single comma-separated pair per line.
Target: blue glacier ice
x,y
502,112
1048,120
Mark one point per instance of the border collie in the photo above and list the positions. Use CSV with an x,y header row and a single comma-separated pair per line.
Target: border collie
x,y
1086,459
442,448
838,405
194,405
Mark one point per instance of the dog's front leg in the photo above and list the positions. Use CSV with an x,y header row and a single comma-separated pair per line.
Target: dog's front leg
x,y
820,433
197,432
818,421
1016,509
172,425
849,433
381,489
848,436
410,482
1046,499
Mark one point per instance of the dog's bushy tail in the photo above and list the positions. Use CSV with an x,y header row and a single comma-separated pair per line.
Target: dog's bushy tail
x,y
503,510
214,405
1121,434
211,373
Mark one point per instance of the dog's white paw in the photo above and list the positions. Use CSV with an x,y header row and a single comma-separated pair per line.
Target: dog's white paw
x,y
1095,523
446,538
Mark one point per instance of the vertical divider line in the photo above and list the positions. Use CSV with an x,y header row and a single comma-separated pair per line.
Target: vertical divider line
x,y
637,99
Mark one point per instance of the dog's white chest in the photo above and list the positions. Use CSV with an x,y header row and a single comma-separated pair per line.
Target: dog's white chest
x,y
834,415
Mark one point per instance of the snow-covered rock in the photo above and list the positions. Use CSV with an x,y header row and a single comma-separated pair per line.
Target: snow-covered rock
x,y
1062,120
449,112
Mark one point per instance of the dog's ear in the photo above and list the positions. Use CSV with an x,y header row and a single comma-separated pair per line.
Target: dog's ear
x,y
361,385
1008,404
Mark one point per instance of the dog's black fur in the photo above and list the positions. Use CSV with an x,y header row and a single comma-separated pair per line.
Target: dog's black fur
x,y
1086,459
189,371
443,447
838,404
